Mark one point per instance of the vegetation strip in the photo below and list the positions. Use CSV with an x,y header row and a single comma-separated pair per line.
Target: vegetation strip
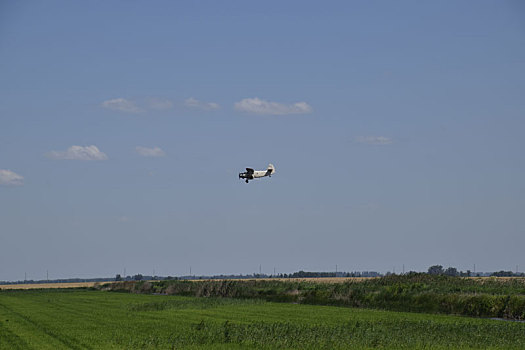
x,y
491,298
102,320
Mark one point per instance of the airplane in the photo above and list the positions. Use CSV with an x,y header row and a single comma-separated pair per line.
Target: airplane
x,y
251,174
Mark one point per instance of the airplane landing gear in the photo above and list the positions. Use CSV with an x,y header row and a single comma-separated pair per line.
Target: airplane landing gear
x,y
246,180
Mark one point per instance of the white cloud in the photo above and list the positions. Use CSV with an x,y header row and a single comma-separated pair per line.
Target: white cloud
x,y
159,103
79,153
150,152
258,106
374,140
10,178
207,106
122,105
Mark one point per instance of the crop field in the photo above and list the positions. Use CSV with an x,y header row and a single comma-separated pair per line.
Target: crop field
x,y
90,319
48,285
489,298
93,284
329,280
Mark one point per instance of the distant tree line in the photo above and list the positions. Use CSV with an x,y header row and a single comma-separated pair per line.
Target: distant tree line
x,y
432,270
309,274
452,271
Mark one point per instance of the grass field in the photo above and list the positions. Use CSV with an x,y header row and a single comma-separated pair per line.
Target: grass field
x,y
329,280
48,285
492,297
92,284
88,319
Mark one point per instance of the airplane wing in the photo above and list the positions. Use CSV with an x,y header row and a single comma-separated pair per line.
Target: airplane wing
x,y
249,171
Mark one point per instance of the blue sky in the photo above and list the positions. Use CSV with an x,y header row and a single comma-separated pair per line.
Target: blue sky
x,y
396,129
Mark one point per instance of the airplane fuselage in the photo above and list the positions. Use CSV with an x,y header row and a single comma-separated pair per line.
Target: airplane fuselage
x,y
256,174
260,173
251,174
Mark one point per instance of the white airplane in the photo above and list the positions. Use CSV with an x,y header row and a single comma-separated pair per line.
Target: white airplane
x,y
251,174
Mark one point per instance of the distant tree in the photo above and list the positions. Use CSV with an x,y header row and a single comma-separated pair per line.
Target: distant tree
x,y
451,271
137,277
503,274
118,277
435,270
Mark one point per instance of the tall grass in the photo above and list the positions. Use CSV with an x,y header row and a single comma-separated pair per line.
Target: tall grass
x,y
98,320
501,298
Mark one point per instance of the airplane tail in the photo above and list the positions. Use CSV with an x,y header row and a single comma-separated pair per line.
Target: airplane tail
x,y
271,169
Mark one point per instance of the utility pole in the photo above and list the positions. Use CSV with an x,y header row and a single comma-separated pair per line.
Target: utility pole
x,y
274,271
47,275
335,270
25,276
394,269
474,269
190,271
124,274
260,269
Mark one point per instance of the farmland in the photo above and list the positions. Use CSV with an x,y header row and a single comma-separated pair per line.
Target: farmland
x,y
492,297
91,319
48,285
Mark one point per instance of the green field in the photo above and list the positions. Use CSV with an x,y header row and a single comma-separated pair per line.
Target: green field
x,y
88,319
413,292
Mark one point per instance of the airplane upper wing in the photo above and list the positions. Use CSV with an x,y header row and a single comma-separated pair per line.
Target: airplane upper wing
x,y
249,170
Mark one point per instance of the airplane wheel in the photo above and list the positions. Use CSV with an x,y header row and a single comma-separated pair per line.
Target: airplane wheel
x,y
246,181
